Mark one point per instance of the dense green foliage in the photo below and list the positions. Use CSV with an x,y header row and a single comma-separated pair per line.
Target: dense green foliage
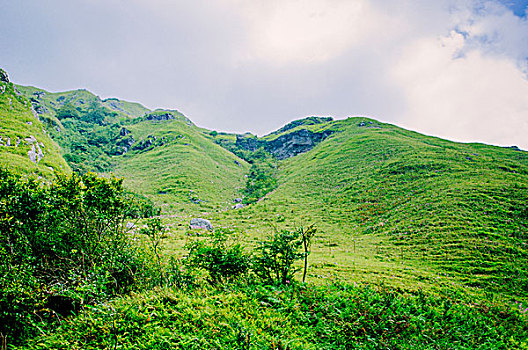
x,y
254,316
261,179
222,258
63,245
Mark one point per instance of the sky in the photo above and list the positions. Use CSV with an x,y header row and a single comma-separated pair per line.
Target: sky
x,y
456,69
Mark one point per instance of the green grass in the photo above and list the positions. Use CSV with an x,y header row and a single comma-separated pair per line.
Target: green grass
x,y
188,173
401,207
303,317
18,123
50,102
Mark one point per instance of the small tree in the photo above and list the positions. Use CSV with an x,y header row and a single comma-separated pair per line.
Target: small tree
x,y
307,236
275,258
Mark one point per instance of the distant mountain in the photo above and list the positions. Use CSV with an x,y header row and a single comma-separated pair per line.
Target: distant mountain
x,y
25,145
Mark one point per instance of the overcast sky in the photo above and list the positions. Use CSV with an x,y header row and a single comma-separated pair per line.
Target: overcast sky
x,y
457,69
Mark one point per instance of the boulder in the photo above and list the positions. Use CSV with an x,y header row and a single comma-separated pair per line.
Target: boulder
x,y
200,224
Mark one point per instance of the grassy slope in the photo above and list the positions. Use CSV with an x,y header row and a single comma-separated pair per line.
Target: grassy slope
x,y
17,121
51,101
401,207
189,167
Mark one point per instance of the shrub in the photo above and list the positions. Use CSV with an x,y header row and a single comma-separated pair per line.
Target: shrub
x,y
221,259
275,257
62,245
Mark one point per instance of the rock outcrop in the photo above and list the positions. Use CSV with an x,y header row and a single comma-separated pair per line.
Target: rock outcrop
x,y
200,224
35,153
285,146
3,76
296,142
160,116
248,142
124,144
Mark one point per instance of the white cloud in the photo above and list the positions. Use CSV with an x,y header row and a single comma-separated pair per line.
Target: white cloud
x,y
495,30
475,97
253,65
305,31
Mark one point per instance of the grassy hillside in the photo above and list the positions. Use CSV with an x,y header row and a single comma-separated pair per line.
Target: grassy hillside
x,y
48,103
25,146
161,153
398,206
183,168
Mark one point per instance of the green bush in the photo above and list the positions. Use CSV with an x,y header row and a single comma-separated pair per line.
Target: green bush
x,y
274,259
223,260
63,245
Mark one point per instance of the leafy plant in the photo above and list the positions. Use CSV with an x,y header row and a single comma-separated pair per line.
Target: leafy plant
x,y
274,259
62,245
222,259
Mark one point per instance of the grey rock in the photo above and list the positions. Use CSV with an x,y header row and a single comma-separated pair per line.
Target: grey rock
x,y
294,143
39,94
237,200
124,145
144,144
238,206
200,224
3,76
124,132
35,153
247,141
160,116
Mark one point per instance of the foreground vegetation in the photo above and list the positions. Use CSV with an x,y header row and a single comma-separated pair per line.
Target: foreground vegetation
x,y
73,278
258,316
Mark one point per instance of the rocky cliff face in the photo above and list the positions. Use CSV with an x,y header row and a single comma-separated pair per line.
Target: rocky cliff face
x,y
294,143
285,146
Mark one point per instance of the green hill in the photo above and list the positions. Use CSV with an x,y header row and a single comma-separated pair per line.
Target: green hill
x,y
398,206
25,146
179,165
421,242
160,153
